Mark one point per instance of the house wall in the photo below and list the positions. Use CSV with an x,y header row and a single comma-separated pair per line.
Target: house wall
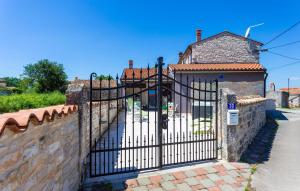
x,y
281,98
242,84
225,49
129,91
3,84
294,100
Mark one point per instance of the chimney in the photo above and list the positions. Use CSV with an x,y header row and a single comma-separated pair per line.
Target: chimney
x,y
272,86
130,63
198,35
180,55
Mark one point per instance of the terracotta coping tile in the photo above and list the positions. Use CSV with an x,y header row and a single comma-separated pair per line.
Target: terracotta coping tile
x,y
250,101
19,121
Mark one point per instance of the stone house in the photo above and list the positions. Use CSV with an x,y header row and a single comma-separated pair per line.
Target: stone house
x,y
2,83
294,96
132,75
228,57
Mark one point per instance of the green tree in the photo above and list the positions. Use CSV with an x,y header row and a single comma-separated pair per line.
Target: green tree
x,y
45,76
104,77
12,81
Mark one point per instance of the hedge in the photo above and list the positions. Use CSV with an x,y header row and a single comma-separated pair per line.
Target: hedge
x,y
16,102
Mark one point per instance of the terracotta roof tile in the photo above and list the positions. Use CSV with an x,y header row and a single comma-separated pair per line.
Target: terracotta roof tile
x,y
218,67
139,73
19,121
292,91
95,83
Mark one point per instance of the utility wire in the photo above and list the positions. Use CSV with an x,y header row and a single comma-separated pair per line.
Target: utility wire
x,y
284,56
282,45
282,33
285,65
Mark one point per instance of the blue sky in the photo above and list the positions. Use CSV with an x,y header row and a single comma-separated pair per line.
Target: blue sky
x,y
100,36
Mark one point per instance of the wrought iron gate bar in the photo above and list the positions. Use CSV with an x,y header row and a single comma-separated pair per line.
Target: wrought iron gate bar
x,y
189,87
123,97
149,130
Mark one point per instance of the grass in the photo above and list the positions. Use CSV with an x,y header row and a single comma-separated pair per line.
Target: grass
x,y
252,171
16,102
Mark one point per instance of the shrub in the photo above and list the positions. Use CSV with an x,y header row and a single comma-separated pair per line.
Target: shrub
x,y
15,102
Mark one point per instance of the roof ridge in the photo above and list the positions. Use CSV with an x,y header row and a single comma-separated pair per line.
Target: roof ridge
x,y
19,121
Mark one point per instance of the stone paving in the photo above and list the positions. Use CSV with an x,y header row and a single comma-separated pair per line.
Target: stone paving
x,y
217,177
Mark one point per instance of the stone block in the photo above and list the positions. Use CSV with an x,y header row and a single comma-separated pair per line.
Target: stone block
x,y
167,185
192,181
207,183
144,181
184,186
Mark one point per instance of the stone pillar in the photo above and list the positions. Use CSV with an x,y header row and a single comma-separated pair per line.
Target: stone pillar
x,y
225,131
77,94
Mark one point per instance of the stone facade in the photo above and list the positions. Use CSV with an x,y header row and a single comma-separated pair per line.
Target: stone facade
x,y
222,48
44,157
252,116
245,88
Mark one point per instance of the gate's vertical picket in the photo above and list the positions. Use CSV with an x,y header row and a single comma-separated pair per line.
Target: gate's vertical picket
x,y
216,118
148,116
159,109
133,76
125,145
125,125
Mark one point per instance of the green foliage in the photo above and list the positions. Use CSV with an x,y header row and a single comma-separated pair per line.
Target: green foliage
x,y
12,81
104,77
17,102
253,169
44,76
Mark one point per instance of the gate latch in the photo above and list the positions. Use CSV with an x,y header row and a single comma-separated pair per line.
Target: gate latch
x,y
165,121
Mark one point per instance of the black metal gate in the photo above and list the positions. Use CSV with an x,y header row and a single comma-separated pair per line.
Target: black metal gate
x,y
151,118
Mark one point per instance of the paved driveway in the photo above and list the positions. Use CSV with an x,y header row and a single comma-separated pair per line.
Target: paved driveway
x,y
140,135
281,170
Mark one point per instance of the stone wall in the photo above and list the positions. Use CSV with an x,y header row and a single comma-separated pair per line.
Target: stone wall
x,y
52,154
223,49
78,93
252,116
44,157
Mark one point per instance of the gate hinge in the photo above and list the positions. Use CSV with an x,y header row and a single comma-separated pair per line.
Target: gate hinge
x,y
219,147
